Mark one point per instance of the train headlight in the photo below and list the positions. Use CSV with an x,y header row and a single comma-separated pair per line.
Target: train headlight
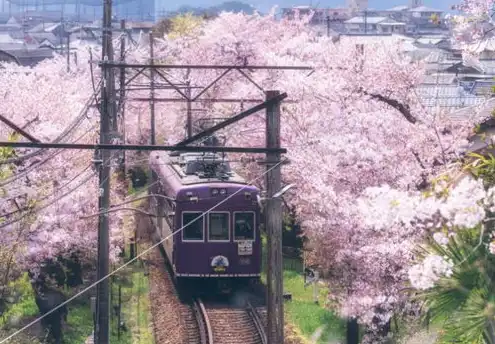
x,y
214,192
223,191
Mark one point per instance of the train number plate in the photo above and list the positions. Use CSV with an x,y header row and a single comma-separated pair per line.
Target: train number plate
x,y
245,248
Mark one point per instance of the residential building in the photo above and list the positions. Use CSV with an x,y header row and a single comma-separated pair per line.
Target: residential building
x,y
320,15
6,57
374,25
357,5
142,10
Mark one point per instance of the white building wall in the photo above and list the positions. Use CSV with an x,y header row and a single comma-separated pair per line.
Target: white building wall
x,y
357,5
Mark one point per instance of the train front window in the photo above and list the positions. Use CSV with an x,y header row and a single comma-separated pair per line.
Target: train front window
x,y
193,231
218,227
244,226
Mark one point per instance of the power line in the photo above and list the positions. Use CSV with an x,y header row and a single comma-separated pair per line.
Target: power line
x,y
8,223
77,175
40,163
140,255
143,147
83,114
58,198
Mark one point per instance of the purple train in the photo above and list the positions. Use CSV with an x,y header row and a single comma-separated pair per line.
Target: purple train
x,y
221,246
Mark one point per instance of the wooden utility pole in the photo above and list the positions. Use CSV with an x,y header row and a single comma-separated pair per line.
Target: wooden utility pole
x,y
273,223
328,26
68,52
111,75
152,90
102,331
189,109
122,91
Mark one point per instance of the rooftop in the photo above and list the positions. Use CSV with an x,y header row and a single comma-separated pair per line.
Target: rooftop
x,y
373,20
424,9
398,8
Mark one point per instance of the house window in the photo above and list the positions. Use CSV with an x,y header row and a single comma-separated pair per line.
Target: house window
x,y
218,227
243,226
194,226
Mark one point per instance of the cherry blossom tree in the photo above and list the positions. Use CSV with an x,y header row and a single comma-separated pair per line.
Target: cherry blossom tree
x,y
46,196
472,28
357,123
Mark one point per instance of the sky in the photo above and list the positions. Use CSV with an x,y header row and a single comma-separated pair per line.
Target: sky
x,y
265,5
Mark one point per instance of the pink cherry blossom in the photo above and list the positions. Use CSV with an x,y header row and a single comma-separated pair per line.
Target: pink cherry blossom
x,y
342,138
424,275
43,197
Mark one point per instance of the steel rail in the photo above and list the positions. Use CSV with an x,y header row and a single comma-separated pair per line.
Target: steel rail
x,y
204,325
258,323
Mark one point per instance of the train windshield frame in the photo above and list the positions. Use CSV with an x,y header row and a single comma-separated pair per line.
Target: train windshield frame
x,y
194,232
244,226
219,226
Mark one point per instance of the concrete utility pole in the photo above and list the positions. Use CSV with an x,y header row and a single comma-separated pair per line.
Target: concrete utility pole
x,y
273,222
102,331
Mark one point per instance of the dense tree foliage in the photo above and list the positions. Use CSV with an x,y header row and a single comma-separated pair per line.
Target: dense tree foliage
x,y
45,195
357,123
362,148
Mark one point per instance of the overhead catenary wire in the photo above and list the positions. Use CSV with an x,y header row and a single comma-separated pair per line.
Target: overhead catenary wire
x,y
44,206
79,119
57,189
40,163
139,255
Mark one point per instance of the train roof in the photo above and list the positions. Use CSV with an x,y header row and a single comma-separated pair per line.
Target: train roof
x,y
194,168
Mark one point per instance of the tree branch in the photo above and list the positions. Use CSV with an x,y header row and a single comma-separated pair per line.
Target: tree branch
x,y
416,155
404,109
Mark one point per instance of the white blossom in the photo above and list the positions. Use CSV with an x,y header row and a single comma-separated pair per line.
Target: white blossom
x,y
430,270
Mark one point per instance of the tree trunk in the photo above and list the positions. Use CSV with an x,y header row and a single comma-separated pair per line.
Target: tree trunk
x,y
352,331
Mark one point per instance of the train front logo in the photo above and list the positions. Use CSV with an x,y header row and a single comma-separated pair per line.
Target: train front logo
x,y
219,263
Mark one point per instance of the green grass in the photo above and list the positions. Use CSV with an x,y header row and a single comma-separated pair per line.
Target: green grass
x,y
25,306
308,316
135,308
302,312
79,323
135,312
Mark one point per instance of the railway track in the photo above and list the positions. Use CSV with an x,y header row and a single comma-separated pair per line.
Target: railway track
x,y
235,325
193,322
212,322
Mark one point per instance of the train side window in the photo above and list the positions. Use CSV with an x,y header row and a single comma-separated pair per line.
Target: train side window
x,y
243,226
195,230
218,227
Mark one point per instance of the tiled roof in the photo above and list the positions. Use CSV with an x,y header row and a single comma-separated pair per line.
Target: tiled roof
x,y
369,20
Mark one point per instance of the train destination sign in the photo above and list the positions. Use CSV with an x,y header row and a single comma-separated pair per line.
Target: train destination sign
x,y
245,248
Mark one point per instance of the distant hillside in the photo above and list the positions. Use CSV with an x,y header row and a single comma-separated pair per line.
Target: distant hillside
x,y
229,6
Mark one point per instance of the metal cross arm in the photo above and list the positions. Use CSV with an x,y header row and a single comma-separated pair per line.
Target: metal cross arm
x,y
179,66
212,100
141,147
18,129
233,119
